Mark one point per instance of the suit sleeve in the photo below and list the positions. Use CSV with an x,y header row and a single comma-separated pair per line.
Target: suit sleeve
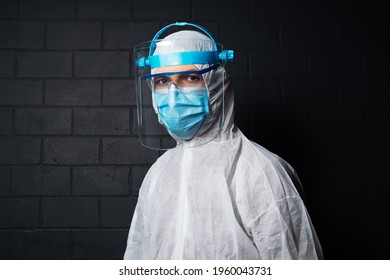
x,y
285,232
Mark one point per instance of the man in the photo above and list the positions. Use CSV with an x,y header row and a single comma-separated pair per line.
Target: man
x,y
216,194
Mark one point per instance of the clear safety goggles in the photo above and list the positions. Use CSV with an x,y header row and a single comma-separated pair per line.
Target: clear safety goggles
x,y
181,79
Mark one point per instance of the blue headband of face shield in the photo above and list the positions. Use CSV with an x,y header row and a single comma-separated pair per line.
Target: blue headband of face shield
x,y
182,58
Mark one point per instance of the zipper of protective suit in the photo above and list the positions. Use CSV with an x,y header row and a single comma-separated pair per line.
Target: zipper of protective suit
x,y
183,205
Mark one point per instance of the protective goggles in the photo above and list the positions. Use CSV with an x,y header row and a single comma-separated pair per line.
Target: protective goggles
x,y
181,79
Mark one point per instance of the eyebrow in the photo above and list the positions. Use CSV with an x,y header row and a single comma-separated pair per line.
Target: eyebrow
x,y
180,75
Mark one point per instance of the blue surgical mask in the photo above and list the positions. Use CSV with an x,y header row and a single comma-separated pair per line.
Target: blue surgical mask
x,y
182,111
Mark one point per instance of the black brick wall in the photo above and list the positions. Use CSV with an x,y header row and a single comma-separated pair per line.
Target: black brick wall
x,y
311,82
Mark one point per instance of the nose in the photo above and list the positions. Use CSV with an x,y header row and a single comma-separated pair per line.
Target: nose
x,y
173,92
173,86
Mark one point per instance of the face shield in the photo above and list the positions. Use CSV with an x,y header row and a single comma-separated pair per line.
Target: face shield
x,y
179,88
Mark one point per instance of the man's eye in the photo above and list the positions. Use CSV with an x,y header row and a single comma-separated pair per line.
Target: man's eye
x,y
160,81
193,78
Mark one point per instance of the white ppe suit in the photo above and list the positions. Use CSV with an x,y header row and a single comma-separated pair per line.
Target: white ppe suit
x,y
228,198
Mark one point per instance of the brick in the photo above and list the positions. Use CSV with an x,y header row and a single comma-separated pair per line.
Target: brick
x,y
270,130
99,244
378,120
119,92
40,245
336,11
45,64
273,121
351,202
240,67
324,148
20,150
380,150
379,244
256,92
127,151
102,64
377,90
6,64
220,10
298,36
72,92
73,35
152,127
64,150
21,35
355,148
125,35
178,9
117,212
8,8
376,11
40,180
350,239
104,9
279,10
352,92
101,121
379,178
365,91
5,121
20,92
326,209
359,36
380,204
211,25
47,9
339,178
16,213
69,212
323,64
4,180
335,120
43,121
104,180
279,64
4,245
249,36
333,64
317,92
376,63
138,173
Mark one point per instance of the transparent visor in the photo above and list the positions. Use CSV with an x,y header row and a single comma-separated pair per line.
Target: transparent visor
x,y
173,101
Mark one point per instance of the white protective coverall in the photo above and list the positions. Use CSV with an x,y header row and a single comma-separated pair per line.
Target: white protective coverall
x,y
228,198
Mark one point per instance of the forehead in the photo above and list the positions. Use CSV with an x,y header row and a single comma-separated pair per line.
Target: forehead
x,y
178,68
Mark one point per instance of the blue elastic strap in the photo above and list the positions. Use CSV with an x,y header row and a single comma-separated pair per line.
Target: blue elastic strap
x,y
197,72
155,38
182,58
